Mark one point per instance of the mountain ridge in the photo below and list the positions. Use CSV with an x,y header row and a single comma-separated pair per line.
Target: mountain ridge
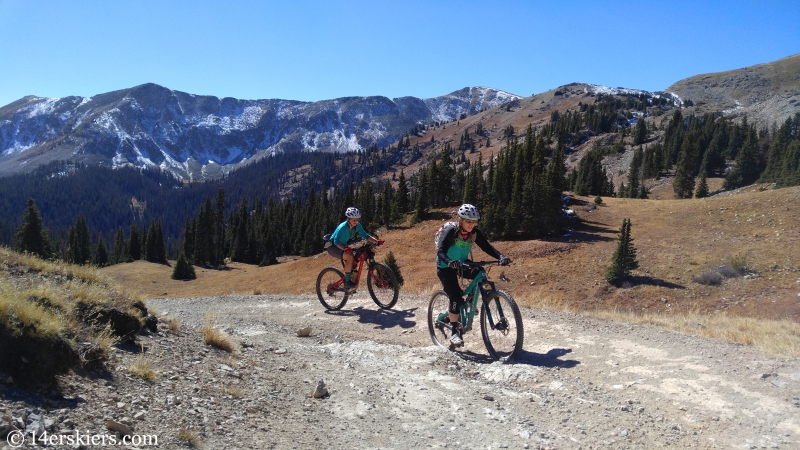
x,y
198,137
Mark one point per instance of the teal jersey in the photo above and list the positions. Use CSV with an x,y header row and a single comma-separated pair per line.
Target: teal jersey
x,y
343,233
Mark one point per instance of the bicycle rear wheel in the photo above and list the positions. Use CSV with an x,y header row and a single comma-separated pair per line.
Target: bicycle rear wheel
x,y
501,326
382,285
438,320
330,288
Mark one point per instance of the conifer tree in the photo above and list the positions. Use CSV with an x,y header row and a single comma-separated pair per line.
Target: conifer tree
x,y
640,132
31,236
120,252
683,185
150,242
702,187
624,257
747,167
134,244
392,263
183,269
400,204
218,231
100,253
422,198
160,248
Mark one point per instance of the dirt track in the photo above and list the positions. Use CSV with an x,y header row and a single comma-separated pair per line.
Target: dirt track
x,y
579,383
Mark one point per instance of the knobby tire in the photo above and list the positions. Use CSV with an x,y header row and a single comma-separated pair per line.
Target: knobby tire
x,y
382,285
504,343
331,299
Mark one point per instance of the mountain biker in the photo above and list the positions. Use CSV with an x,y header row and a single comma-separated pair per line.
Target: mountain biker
x,y
344,234
452,250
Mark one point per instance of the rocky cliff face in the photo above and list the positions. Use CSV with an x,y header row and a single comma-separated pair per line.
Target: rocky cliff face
x,y
202,136
767,93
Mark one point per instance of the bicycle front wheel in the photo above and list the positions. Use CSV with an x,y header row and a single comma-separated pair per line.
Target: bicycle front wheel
x,y
438,319
382,285
330,288
501,326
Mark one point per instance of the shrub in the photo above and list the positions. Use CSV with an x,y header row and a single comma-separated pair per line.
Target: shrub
x,y
598,200
727,271
741,265
709,279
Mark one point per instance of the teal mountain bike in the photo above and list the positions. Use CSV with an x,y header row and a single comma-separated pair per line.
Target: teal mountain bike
x,y
500,319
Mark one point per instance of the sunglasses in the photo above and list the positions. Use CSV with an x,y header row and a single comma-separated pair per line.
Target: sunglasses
x,y
470,220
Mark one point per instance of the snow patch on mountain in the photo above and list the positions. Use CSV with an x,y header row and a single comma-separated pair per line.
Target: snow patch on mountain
x,y
605,90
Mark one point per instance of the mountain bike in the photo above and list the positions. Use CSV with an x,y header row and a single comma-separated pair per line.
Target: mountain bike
x,y
500,319
381,281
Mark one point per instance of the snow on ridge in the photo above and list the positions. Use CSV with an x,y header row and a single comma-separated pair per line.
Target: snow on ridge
x,y
598,89
40,108
605,90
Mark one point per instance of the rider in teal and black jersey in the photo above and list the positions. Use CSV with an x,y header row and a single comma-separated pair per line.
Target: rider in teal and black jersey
x,y
452,249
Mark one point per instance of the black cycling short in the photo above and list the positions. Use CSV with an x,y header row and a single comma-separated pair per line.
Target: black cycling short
x,y
452,288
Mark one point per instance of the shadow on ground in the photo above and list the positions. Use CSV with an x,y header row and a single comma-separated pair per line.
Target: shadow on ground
x,y
381,318
550,359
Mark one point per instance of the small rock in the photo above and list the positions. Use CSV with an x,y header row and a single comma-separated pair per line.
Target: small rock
x,y
488,397
304,332
139,415
121,428
280,351
320,391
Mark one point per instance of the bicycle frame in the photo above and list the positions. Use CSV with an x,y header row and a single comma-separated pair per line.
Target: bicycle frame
x,y
475,290
363,255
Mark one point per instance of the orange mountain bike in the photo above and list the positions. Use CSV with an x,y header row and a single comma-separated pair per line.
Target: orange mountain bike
x,y
381,281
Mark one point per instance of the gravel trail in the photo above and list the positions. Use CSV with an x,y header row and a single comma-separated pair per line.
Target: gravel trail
x,y
579,383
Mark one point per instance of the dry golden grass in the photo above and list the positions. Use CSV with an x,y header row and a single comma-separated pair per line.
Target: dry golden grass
x,y
39,296
215,337
676,241
233,391
142,367
15,306
189,437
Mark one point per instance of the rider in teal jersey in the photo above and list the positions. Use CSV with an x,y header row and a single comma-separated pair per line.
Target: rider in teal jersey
x,y
344,234
454,248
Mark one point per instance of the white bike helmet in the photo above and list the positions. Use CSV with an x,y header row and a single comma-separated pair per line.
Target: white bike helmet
x,y
469,212
352,213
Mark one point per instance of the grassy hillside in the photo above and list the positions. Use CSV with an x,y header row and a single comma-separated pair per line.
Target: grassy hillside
x,y
677,241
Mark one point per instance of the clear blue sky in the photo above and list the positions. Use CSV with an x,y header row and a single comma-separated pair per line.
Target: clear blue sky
x,y
316,50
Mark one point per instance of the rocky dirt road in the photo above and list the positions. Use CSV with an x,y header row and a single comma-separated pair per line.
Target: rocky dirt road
x,y
579,383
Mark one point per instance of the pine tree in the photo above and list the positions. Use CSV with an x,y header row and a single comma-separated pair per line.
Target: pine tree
x,y
702,186
31,236
218,231
683,184
640,132
400,204
134,244
120,252
161,251
624,257
100,253
422,198
392,263
150,243
183,269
